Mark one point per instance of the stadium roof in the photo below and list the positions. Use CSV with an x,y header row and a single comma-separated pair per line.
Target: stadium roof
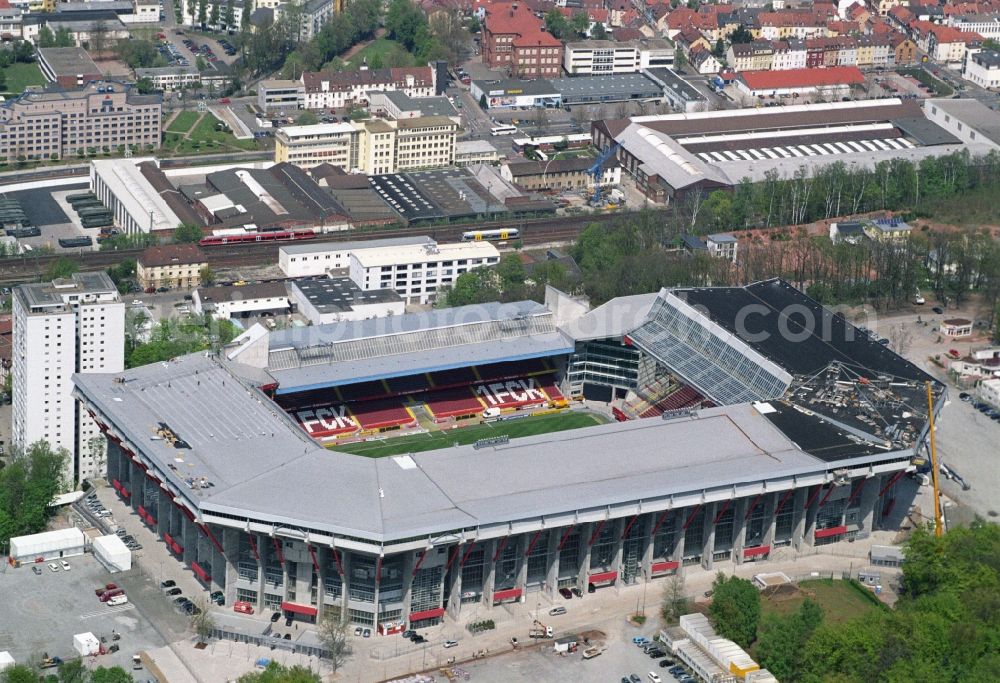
x,y
613,319
795,332
301,359
261,466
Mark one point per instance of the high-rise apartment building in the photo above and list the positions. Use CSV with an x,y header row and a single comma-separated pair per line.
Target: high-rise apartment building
x,y
103,116
67,326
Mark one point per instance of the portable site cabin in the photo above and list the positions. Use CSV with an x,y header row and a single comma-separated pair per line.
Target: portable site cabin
x,y
112,552
86,644
6,661
49,545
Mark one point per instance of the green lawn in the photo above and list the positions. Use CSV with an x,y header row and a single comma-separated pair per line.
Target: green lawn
x,y
183,122
465,435
206,138
840,600
383,53
19,76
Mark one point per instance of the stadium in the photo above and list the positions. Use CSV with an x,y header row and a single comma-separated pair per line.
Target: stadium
x,y
724,423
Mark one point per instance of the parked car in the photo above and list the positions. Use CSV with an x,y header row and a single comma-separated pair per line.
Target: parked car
x,y
357,631
938,310
409,633
218,597
450,643
367,633
641,641
174,591
36,569
275,617
418,639
654,677
556,611
633,678
566,593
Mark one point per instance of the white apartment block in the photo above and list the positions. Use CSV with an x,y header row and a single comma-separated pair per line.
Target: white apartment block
x,y
311,260
989,392
74,325
601,57
983,69
418,272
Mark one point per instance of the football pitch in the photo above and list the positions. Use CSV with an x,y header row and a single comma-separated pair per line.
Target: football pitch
x,y
465,435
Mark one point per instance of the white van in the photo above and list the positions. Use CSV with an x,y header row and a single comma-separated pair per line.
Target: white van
x,y
117,600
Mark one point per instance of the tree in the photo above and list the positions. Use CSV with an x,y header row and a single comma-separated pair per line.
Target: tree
x,y
307,118
782,638
99,36
61,268
740,36
192,8
188,233
45,37
73,671
556,24
207,275
24,51
64,38
735,609
512,276
276,673
202,12
680,59
675,602
213,17
579,23
332,634
599,32
229,16
115,674
19,673
203,622
720,48
145,85
474,287
245,15
403,21
28,483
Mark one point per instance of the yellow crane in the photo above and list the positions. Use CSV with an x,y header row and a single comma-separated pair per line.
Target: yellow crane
x,y
938,519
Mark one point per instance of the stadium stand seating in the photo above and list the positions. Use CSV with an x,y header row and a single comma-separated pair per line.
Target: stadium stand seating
x,y
684,397
452,402
381,414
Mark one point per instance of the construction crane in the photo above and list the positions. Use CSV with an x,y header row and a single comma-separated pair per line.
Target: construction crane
x,y
938,519
595,171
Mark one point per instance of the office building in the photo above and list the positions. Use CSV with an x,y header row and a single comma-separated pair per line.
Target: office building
x,y
171,265
604,57
515,39
418,272
67,67
311,260
337,89
61,328
101,116
337,299
373,147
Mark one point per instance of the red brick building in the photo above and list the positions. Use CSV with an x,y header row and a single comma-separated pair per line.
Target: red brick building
x,y
514,38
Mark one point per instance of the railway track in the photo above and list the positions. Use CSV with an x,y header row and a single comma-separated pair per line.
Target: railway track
x,y
30,267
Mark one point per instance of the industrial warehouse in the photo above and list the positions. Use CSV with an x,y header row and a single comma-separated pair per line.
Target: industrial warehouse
x,y
747,419
671,155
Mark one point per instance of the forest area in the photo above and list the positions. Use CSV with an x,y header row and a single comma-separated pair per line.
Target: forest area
x,y
642,251
944,627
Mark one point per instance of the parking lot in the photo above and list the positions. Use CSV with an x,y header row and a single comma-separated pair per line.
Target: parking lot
x,y
42,612
620,660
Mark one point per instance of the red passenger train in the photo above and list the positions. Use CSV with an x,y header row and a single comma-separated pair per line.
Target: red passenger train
x,y
276,236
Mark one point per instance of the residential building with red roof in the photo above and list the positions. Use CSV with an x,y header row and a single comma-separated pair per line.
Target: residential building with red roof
x,y
515,39
944,43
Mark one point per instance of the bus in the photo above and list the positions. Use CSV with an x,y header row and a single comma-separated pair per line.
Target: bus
x,y
503,130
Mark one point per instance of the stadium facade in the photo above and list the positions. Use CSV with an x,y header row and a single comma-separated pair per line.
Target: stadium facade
x,y
768,422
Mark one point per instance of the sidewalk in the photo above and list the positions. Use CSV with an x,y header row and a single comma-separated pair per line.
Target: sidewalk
x,y
606,610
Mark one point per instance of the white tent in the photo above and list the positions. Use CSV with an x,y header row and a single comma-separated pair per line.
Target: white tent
x,y
6,661
86,644
48,545
112,553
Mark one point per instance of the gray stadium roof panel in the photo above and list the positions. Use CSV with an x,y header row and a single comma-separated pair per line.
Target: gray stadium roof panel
x,y
263,467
